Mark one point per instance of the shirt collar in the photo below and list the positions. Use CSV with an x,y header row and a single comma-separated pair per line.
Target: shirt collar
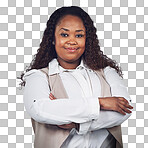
x,y
55,68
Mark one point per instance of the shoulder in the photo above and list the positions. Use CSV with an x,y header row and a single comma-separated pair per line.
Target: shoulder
x,y
112,76
109,70
33,74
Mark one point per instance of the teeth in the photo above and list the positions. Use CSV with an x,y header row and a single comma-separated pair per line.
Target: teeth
x,y
71,48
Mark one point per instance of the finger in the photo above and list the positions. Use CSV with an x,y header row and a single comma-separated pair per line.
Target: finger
x,y
126,105
51,96
123,100
130,107
125,109
66,125
62,126
121,111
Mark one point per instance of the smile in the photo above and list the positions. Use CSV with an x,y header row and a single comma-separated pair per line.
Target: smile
x,y
70,49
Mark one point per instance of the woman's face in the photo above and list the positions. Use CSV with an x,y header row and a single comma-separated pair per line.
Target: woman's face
x,y
70,37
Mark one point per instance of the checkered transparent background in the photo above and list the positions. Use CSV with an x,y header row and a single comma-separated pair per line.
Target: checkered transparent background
x,y
123,33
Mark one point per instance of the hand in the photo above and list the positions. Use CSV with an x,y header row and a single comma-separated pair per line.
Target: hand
x,y
118,104
51,96
68,126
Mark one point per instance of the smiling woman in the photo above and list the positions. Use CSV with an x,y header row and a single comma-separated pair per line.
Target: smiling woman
x,y
73,92
70,40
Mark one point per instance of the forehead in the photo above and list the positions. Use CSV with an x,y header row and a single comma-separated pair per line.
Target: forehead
x,y
71,21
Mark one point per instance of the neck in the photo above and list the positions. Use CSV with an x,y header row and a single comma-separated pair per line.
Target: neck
x,y
68,64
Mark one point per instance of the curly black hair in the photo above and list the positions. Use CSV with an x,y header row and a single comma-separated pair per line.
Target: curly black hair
x,y
93,56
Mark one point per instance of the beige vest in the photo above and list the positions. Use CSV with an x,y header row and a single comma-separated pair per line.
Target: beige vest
x,y
51,136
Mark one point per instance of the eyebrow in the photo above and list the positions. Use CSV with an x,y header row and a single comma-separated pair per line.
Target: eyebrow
x,y
68,30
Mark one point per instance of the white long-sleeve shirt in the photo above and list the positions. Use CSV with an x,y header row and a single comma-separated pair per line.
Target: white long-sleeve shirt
x,y
82,106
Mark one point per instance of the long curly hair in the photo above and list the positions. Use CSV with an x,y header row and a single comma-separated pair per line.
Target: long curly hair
x,y
93,56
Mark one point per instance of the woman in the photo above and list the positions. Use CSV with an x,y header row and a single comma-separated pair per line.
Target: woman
x,y
73,92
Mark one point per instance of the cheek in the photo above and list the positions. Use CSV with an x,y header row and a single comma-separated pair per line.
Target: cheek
x,y
82,43
59,41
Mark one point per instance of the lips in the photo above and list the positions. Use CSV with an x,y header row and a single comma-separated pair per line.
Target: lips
x,y
71,49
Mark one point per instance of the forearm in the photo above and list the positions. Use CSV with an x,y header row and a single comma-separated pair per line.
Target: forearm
x,y
59,111
113,111
118,104
63,111
108,119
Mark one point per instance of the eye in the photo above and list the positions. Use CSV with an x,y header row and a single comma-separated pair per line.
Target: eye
x,y
79,35
64,34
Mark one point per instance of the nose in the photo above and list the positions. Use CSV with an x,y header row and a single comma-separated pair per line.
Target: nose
x,y
72,41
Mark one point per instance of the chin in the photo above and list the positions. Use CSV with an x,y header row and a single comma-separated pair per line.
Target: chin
x,y
71,60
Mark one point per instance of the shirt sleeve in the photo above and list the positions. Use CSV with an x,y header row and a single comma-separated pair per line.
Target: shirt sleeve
x,y
84,127
107,119
118,88
58,111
